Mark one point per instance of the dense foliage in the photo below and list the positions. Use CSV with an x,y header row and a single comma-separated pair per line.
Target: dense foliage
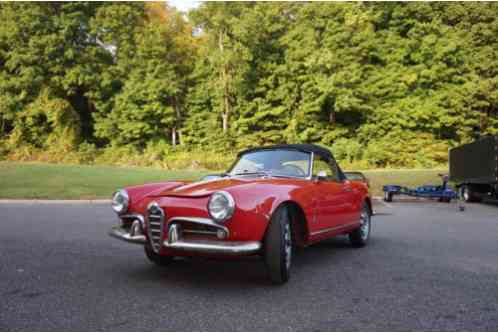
x,y
382,84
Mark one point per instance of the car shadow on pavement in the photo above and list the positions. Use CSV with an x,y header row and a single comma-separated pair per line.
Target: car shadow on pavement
x,y
490,202
227,273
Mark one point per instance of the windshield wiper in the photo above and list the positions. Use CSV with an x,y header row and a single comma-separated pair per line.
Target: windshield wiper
x,y
266,173
262,172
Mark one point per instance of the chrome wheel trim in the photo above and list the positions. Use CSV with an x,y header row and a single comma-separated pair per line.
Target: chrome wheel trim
x,y
365,224
466,193
287,245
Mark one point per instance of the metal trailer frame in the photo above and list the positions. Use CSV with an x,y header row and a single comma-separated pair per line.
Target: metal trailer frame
x,y
442,192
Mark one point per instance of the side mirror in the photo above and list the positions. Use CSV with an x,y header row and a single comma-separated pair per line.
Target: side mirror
x,y
321,175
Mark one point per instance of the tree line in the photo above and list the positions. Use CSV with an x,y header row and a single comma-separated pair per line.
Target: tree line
x,y
393,84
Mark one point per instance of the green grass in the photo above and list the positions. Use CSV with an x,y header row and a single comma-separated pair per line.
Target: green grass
x,y
407,177
52,181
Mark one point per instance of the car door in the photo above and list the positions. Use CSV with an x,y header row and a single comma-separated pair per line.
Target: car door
x,y
334,197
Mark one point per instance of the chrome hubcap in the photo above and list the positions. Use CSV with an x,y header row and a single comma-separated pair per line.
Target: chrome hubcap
x,y
365,224
287,245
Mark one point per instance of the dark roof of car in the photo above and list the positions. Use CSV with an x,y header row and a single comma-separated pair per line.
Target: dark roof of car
x,y
323,152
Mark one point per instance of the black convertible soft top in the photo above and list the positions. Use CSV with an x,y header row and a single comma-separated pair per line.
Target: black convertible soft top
x,y
318,150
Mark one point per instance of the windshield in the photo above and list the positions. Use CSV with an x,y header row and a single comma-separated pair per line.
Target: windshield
x,y
277,162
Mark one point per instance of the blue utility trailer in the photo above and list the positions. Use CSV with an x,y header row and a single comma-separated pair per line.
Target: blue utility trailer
x,y
442,192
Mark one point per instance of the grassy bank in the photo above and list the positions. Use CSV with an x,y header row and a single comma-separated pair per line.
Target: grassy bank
x,y
51,181
406,177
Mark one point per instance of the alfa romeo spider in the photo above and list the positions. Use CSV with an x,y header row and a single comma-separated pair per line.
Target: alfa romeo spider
x,y
270,201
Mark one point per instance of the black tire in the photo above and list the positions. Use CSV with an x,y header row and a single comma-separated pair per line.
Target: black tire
x,y
468,194
388,197
278,247
360,236
156,258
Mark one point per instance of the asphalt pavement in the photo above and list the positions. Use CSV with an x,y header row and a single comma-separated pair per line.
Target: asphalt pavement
x,y
427,267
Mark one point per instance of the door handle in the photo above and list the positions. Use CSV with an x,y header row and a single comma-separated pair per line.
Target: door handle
x,y
348,189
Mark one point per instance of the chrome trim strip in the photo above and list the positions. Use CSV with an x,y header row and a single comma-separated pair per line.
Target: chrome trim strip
x,y
333,228
123,234
312,159
199,220
175,242
200,232
133,216
215,247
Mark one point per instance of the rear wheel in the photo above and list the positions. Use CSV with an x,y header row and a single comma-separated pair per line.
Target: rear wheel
x,y
278,247
468,194
156,258
388,197
360,236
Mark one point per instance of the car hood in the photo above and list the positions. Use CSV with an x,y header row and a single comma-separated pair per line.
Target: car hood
x,y
203,188
206,188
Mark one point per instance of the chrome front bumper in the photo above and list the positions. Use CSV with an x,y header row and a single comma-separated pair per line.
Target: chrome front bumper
x,y
131,235
175,241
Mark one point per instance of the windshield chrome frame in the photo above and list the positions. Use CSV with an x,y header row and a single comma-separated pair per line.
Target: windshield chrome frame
x,y
309,175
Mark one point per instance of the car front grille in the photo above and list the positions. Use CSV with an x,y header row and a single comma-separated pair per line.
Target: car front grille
x,y
155,221
197,229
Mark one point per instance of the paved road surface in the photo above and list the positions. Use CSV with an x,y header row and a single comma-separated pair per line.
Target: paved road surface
x,y
428,267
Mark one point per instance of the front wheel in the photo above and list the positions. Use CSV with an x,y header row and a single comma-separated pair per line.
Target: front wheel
x,y
156,258
278,247
388,196
360,236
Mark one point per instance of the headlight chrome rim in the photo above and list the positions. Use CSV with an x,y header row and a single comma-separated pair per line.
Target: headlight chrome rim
x,y
120,207
229,208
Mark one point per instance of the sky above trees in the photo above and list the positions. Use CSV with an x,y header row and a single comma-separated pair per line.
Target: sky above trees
x,y
184,5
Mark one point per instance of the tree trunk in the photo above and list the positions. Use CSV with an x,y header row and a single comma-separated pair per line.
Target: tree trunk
x,y
224,82
180,139
483,122
224,117
332,118
177,123
173,137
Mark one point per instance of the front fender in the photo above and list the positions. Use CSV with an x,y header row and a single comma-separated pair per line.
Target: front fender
x,y
255,207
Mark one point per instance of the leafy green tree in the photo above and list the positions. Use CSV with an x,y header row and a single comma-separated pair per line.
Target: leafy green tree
x,y
390,83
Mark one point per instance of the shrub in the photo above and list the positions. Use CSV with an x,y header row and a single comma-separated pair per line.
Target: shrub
x,y
347,150
87,153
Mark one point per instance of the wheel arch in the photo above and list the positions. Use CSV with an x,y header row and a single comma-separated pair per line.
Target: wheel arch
x,y
368,200
299,223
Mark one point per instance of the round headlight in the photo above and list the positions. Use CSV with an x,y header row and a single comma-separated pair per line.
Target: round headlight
x,y
120,201
221,206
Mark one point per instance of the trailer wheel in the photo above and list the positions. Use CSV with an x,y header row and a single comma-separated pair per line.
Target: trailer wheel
x,y
444,199
388,196
468,195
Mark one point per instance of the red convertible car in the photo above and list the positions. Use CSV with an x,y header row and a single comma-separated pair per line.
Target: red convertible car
x,y
271,200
